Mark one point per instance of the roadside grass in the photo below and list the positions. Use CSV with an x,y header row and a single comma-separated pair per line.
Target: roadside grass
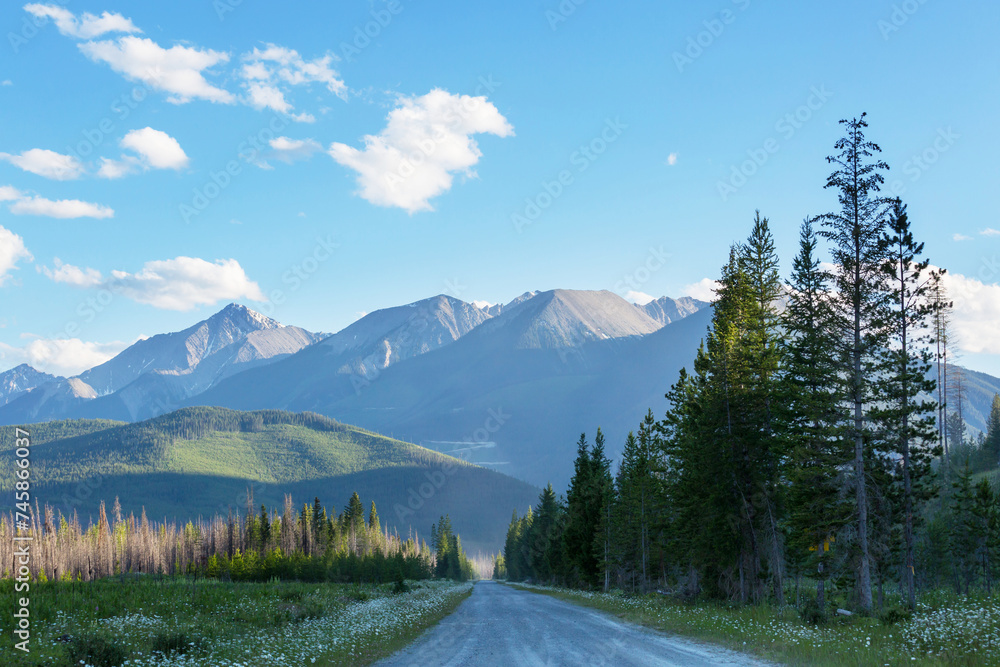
x,y
946,630
168,621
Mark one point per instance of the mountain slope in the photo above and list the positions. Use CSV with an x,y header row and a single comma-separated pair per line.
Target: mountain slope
x,y
153,375
20,380
514,392
200,461
346,362
666,310
565,319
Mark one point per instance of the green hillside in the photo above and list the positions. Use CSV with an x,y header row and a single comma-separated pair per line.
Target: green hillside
x,y
201,461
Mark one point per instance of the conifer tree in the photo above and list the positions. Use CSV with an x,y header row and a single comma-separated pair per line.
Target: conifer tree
x,y
903,377
855,232
992,443
810,416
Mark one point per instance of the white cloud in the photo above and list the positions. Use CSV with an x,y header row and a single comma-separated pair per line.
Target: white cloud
x,y
62,208
184,283
292,150
672,159
703,290
265,71
72,275
67,357
961,237
426,140
158,149
640,298
9,193
6,82
119,168
178,70
46,163
87,26
989,231
976,314
12,250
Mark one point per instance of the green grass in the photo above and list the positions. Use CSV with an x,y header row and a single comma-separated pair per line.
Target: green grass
x,y
946,630
208,622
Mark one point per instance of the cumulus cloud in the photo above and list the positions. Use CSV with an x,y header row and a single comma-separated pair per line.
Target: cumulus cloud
x,y
179,70
426,141
989,231
87,26
9,193
72,275
184,283
268,72
46,163
12,251
961,237
703,290
976,313
60,208
156,150
67,357
640,298
672,159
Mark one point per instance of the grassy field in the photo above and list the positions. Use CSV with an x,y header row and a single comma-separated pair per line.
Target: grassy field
x,y
946,630
149,621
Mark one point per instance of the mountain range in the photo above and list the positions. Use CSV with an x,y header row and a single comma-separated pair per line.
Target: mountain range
x,y
509,386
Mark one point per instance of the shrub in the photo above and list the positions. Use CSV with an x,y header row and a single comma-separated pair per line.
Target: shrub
x,y
811,613
893,615
174,642
96,650
290,595
400,586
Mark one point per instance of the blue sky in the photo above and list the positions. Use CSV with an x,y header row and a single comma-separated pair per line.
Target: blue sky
x,y
120,126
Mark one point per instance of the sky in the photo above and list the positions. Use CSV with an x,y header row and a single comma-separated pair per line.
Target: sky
x,y
321,160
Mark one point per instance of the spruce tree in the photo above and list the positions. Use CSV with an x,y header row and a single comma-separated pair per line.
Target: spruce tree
x,y
545,537
855,232
904,378
992,444
810,416
578,538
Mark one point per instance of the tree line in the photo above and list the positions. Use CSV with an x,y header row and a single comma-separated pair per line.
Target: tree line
x,y
307,544
810,440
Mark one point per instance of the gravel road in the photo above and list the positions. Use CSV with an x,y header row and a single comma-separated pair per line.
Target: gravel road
x,y
498,625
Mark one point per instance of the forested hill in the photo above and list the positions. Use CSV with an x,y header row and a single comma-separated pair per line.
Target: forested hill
x,y
201,461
